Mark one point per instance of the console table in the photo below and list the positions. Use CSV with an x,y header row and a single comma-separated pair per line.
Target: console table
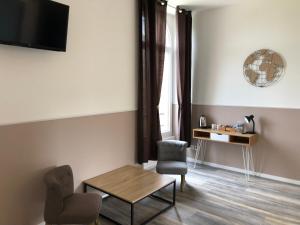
x,y
246,141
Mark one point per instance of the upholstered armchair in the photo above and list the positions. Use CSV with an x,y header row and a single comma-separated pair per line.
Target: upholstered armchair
x,y
172,159
63,206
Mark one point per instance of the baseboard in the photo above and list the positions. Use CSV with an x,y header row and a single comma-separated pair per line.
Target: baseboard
x,y
263,175
150,165
169,138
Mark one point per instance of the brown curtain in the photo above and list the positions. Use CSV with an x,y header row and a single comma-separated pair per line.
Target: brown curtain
x,y
152,31
184,30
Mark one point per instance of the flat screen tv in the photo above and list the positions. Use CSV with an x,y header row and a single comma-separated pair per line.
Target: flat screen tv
x,y
41,24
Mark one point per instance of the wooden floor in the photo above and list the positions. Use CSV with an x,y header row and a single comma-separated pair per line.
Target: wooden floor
x,y
219,197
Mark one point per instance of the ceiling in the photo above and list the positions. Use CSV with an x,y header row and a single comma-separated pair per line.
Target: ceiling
x,y
203,4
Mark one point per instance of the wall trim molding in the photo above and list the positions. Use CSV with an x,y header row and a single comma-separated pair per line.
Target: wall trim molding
x,y
248,106
64,117
234,169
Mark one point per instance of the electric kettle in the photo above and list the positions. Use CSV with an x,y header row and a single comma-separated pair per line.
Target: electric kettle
x,y
202,121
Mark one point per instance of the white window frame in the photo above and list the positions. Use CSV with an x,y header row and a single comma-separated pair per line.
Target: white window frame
x,y
170,49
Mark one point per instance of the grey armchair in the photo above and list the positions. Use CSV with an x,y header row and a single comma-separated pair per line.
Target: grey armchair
x,y
172,159
63,206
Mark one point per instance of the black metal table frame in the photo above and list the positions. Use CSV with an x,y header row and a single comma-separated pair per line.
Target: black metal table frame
x,y
171,203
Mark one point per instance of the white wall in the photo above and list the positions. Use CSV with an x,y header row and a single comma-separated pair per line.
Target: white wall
x,y
96,75
222,40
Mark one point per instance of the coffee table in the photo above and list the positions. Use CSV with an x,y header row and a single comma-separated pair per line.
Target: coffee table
x,y
132,184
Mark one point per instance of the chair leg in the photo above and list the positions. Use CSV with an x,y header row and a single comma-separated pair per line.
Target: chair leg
x,y
182,182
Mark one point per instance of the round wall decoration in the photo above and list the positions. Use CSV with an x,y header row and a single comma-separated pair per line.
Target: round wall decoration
x,y
263,68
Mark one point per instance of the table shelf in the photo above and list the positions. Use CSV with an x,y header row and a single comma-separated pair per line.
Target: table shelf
x,y
234,137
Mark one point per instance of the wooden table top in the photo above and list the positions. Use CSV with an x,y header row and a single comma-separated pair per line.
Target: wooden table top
x,y
129,183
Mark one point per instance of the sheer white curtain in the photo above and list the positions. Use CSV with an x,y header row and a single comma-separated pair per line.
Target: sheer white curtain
x,y
168,91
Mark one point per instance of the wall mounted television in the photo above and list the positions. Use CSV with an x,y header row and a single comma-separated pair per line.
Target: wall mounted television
x,y
41,24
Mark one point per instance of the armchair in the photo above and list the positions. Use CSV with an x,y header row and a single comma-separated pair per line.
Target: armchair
x,y
63,206
172,159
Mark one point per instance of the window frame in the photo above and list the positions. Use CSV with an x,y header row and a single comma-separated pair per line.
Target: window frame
x,y
170,49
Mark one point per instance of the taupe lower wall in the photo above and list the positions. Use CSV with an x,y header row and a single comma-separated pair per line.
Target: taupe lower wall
x,y
277,151
91,145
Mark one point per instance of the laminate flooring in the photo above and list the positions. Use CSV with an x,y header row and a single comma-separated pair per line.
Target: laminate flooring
x,y
217,197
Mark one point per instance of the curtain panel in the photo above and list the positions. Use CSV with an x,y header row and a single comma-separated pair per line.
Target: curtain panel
x,y
184,30
152,31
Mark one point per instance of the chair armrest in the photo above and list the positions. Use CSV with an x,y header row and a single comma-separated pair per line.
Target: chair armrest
x,y
172,150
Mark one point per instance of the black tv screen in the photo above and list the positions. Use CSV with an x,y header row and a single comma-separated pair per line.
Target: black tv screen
x,y
41,24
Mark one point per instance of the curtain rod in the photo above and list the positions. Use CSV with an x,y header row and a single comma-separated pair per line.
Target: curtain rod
x,y
171,6
163,2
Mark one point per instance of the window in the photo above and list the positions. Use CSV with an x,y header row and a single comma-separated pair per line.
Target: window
x,y
165,105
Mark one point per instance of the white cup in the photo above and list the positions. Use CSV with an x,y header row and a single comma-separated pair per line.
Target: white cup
x,y
214,126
